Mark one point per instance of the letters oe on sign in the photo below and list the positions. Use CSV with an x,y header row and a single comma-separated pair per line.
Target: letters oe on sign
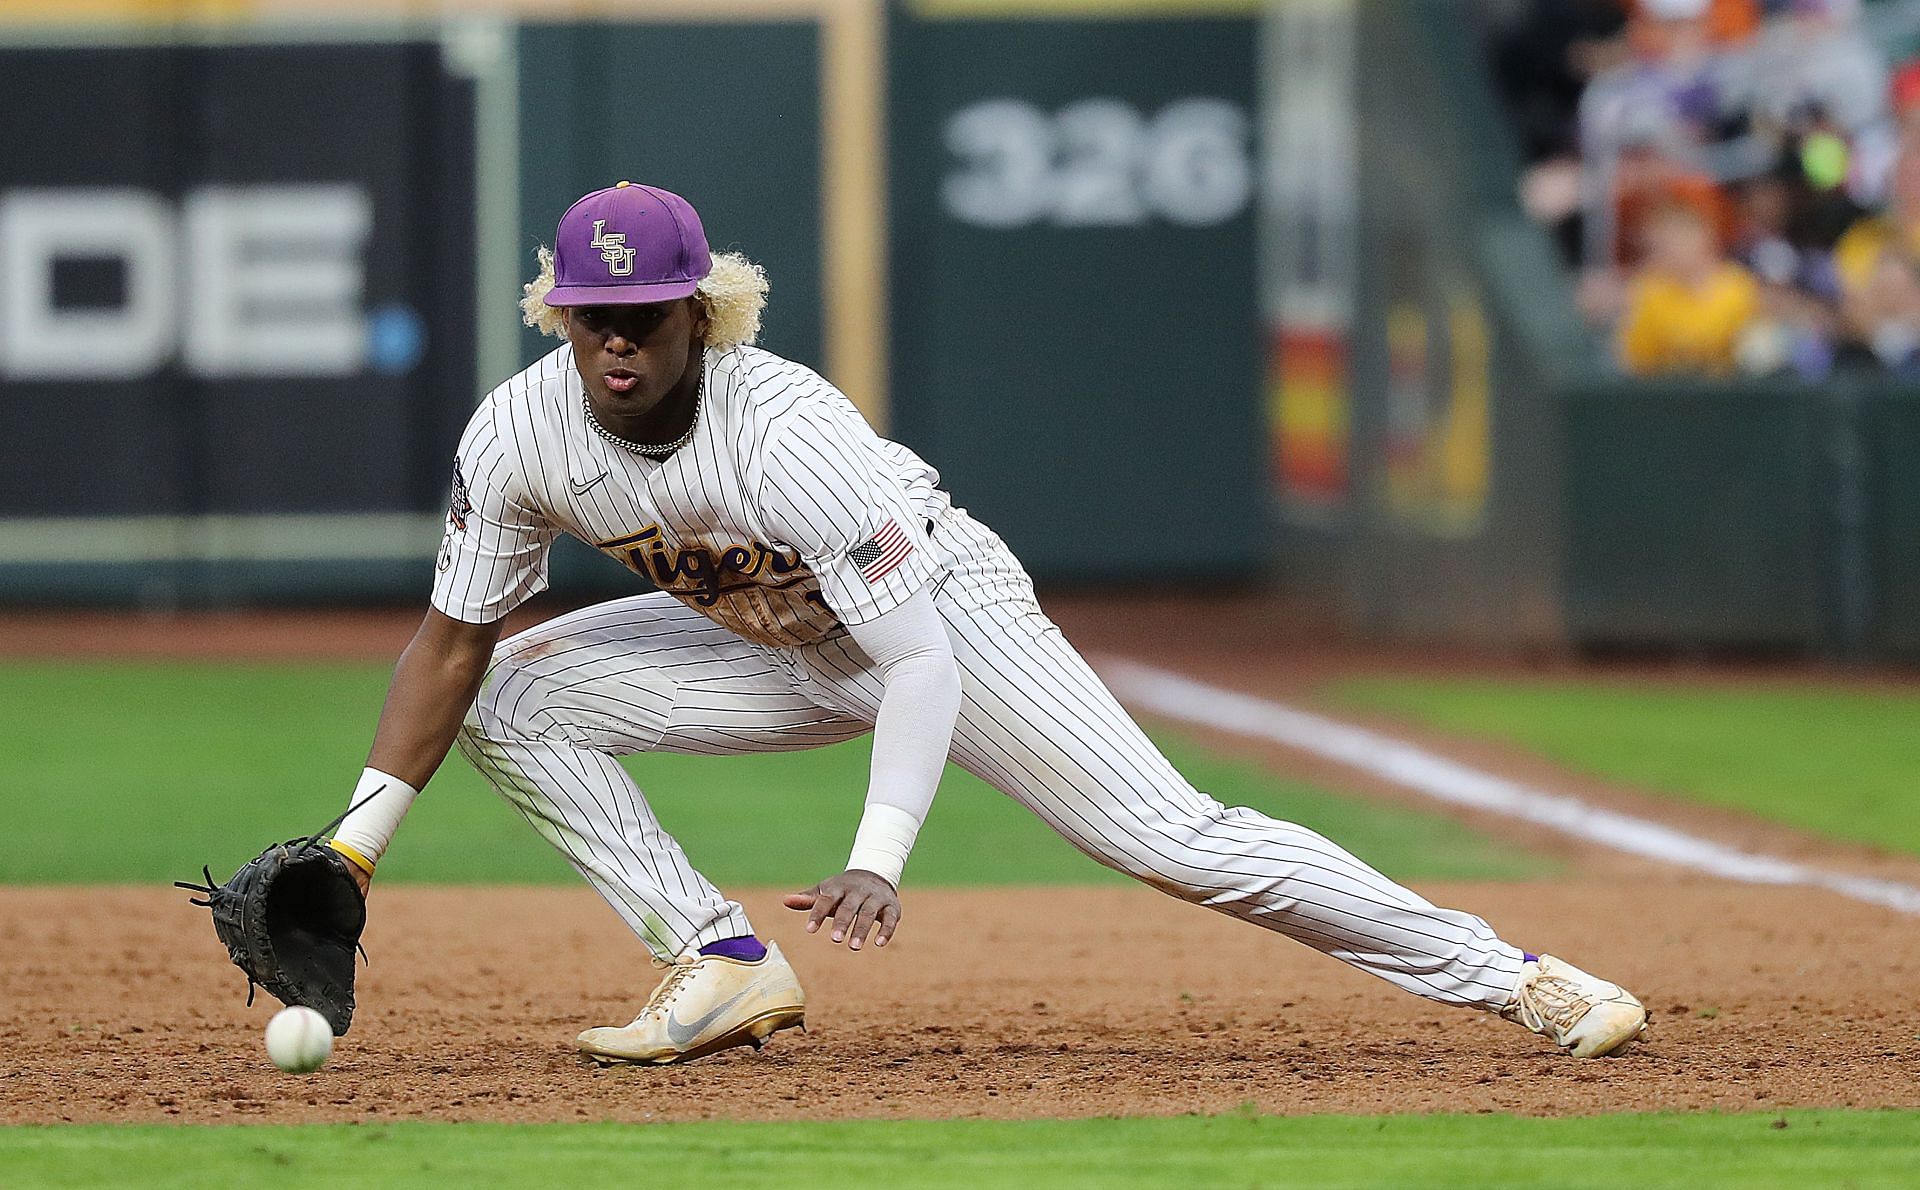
x,y
265,280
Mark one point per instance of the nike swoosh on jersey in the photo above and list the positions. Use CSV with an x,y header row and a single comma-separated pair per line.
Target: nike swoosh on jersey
x,y
581,489
682,1035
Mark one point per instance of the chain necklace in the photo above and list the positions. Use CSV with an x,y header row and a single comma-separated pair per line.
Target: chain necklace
x,y
663,450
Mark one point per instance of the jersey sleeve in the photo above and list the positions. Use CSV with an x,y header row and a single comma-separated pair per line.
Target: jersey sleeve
x,y
494,555
828,491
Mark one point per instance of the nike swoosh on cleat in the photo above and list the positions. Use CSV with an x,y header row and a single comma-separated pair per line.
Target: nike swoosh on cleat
x,y
581,489
684,1034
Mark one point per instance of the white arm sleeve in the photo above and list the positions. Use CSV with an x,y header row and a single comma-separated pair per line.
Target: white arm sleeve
x,y
912,732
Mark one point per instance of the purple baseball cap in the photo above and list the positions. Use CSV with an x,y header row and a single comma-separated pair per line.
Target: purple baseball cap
x,y
628,245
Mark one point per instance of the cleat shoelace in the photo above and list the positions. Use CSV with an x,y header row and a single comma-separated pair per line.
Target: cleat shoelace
x,y
679,971
1550,1000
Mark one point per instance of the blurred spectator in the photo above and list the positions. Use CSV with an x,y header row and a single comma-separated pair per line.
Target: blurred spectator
x,y
1812,55
1821,161
1743,191
1883,314
1721,22
1667,92
1896,229
1689,306
1778,242
1643,125
1811,84
1648,177
1904,98
1799,293
1790,335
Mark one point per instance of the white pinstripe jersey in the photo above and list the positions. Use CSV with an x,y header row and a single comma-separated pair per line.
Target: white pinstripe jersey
x,y
783,519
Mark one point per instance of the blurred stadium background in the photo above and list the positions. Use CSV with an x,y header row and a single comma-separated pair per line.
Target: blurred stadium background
x,y
1371,302
1390,358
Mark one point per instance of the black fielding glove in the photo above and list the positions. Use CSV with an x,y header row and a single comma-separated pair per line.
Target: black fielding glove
x,y
291,919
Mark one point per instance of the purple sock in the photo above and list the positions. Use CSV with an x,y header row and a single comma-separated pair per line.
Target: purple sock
x,y
745,948
1531,958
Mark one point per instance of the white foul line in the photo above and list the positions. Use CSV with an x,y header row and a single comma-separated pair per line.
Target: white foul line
x,y
1173,696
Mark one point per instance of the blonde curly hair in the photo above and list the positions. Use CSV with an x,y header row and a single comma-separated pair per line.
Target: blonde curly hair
x,y
734,294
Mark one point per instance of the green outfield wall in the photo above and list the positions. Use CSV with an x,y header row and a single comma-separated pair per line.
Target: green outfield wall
x,y
1776,517
1890,578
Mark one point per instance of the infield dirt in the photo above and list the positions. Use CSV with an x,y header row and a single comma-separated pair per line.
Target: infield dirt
x,y
1003,1003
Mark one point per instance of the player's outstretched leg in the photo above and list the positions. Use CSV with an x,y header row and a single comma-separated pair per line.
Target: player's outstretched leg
x,y
646,674
1039,725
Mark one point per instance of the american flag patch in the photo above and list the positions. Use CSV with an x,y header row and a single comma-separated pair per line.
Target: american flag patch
x,y
881,553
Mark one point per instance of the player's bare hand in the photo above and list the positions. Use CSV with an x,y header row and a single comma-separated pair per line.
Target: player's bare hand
x,y
856,902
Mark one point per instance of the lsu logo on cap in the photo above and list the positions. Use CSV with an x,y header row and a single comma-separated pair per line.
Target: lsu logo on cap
x,y
613,249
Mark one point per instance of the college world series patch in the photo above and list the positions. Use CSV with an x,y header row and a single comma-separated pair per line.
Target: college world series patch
x,y
458,506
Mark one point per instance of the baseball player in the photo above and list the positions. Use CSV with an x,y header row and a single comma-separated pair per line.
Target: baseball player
x,y
814,584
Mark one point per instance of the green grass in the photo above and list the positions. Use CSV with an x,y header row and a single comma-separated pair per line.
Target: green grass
x,y
1752,1152
1837,762
142,772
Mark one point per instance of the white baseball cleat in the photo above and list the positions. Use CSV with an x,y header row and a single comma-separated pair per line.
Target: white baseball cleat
x,y
1582,1013
706,1003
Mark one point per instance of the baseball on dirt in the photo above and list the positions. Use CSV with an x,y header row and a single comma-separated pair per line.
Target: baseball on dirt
x,y
299,1040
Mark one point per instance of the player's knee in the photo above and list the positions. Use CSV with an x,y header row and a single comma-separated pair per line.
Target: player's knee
x,y
489,711
1176,852
1153,871
470,729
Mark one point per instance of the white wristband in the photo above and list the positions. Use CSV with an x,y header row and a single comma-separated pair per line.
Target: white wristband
x,y
883,841
369,828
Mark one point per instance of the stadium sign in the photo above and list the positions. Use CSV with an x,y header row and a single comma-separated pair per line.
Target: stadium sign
x,y
222,266
261,280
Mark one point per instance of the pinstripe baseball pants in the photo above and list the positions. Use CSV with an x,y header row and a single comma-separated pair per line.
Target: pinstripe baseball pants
x,y
648,673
